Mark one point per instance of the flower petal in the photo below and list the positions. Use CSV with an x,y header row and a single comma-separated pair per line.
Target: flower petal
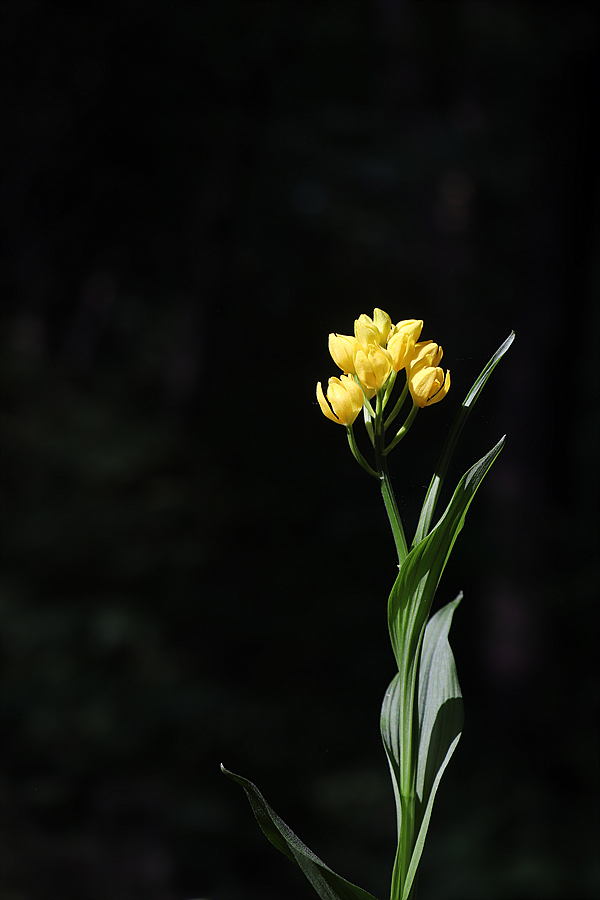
x,y
325,408
441,393
342,348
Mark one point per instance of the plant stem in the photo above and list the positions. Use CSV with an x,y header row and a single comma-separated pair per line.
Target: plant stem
x,y
398,406
357,454
404,430
387,492
392,511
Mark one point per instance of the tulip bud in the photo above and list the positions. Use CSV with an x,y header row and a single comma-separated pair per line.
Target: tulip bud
x,y
342,349
373,330
427,385
373,366
401,342
427,353
345,400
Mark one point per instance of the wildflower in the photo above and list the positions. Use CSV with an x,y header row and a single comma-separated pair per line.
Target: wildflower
x,y
401,342
426,379
427,353
342,348
345,400
373,366
373,330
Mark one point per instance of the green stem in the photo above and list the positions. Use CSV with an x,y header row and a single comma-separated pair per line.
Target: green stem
x,y
387,491
404,430
368,417
389,386
392,510
407,834
398,406
357,454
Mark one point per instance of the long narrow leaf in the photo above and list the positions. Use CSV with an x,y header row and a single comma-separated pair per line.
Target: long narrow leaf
x,y
413,591
439,699
435,487
420,842
392,726
440,722
441,718
408,610
326,883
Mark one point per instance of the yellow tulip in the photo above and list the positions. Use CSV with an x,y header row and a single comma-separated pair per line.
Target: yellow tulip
x,y
373,366
401,342
373,330
427,353
428,385
426,379
342,348
345,400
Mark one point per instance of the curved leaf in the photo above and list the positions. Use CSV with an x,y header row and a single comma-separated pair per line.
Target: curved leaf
x,y
326,883
441,718
440,722
415,586
408,610
433,491
439,699
393,710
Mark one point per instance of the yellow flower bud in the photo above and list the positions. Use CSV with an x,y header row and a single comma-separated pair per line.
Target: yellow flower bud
x,y
426,354
383,323
345,400
428,385
401,342
373,331
425,378
373,366
342,349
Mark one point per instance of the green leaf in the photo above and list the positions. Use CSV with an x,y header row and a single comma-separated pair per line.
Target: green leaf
x,y
441,718
326,883
434,489
393,716
415,586
440,723
408,610
439,699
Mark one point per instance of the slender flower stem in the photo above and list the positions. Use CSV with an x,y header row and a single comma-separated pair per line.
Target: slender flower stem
x,y
369,415
389,386
404,430
357,454
392,510
387,492
398,406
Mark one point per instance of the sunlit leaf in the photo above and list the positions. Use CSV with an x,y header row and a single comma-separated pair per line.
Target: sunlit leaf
x,y
326,883
440,722
434,489
415,586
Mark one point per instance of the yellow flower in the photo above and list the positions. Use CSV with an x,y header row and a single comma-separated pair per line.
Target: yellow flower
x,y
373,331
426,379
342,348
401,342
427,353
345,400
373,366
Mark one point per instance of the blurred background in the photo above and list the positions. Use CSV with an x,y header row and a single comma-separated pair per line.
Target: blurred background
x,y
195,570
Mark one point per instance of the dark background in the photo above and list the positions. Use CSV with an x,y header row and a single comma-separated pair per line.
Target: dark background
x,y
195,570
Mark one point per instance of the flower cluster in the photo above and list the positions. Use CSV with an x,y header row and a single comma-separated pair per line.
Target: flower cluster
x,y
371,360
